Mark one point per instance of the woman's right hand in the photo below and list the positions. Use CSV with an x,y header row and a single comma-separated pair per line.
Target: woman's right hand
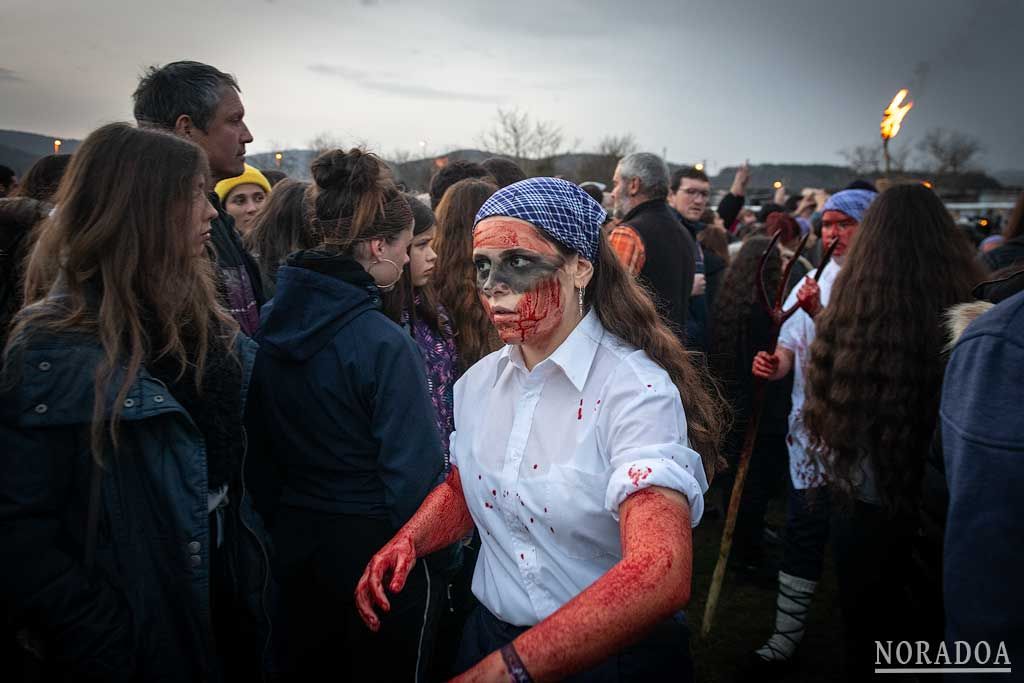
x,y
765,365
396,559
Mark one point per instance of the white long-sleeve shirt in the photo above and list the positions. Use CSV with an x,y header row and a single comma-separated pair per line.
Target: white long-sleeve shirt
x,y
797,335
546,458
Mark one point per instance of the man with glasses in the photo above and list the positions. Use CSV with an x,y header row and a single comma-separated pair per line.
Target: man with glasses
x,y
689,191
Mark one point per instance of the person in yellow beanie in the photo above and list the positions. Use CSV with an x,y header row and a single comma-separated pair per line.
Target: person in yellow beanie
x,y
242,197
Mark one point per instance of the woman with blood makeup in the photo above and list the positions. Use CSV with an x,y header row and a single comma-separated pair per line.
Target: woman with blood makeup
x,y
341,408
581,453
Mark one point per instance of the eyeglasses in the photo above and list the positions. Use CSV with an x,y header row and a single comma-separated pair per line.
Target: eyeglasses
x,y
694,193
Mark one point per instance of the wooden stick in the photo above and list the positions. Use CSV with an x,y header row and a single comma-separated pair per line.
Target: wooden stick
x,y
778,317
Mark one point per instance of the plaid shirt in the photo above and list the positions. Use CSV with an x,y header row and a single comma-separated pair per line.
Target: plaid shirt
x,y
629,247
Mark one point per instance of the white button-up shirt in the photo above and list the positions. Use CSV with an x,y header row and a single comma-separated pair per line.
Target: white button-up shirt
x,y
797,335
546,458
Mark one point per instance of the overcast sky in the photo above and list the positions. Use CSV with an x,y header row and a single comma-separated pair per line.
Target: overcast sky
x,y
718,80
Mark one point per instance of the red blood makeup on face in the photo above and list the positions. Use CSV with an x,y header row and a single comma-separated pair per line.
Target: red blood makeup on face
x,y
517,279
837,225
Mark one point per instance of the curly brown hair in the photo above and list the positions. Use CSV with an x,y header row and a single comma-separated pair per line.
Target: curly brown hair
x,y
732,305
455,276
876,364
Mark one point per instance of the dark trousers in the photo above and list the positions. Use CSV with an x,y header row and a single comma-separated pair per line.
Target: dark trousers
x,y
322,630
663,655
457,603
879,586
765,480
807,522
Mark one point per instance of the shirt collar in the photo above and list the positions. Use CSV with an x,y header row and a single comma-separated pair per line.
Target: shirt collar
x,y
574,356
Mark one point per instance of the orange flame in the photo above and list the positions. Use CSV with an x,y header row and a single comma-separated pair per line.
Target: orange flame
x,y
894,114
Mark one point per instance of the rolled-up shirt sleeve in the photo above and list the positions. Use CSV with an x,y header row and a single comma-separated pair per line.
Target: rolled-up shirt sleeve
x,y
452,454
645,437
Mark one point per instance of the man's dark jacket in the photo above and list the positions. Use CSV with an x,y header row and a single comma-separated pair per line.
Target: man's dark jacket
x,y
670,260
240,281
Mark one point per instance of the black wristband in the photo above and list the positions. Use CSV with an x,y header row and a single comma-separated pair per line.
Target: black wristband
x,y
516,669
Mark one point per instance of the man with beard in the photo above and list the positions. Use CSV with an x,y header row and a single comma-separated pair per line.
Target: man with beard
x,y
201,103
649,241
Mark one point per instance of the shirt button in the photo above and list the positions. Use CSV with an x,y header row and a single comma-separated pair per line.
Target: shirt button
x,y
128,403
195,560
41,408
44,366
194,547
158,399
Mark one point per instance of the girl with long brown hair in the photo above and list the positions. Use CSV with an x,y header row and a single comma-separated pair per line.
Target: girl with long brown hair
x,y
455,279
121,480
342,409
581,453
873,382
281,228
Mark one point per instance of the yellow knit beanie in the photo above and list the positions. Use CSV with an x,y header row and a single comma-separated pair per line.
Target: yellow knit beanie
x,y
251,175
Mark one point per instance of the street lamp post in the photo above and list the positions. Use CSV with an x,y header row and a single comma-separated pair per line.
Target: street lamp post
x,y
277,159
56,146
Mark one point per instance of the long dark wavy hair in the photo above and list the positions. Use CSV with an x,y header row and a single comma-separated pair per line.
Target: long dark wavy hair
x,y
876,364
627,311
731,313
454,274
282,227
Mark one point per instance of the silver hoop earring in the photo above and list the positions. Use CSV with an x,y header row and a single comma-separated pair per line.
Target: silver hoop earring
x,y
398,269
582,290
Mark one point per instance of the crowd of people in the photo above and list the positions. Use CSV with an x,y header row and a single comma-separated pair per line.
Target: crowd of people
x,y
256,427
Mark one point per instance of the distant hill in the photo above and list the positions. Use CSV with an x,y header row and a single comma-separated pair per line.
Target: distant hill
x,y
1011,178
20,150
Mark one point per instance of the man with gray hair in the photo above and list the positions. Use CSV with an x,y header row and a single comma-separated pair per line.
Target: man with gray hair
x,y
201,103
649,241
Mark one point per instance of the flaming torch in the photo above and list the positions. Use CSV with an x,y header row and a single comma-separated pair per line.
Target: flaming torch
x,y
891,120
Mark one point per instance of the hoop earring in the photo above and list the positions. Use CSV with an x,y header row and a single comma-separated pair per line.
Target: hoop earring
x,y
581,290
388,287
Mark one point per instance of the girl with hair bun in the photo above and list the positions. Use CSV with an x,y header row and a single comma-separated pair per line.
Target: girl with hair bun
x,y
581,453
340,407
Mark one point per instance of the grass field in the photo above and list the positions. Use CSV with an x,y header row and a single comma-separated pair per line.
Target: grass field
x,y
746,615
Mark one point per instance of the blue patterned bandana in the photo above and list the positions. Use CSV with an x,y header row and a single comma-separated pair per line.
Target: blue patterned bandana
x,y
559,208
851,202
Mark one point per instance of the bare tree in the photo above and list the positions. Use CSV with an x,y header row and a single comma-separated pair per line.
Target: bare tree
x,y
324,141
899,156
617,146
516,135
863,159
950,151
400,156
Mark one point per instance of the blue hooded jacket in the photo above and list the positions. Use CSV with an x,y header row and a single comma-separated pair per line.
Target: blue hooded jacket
x,y
339,396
